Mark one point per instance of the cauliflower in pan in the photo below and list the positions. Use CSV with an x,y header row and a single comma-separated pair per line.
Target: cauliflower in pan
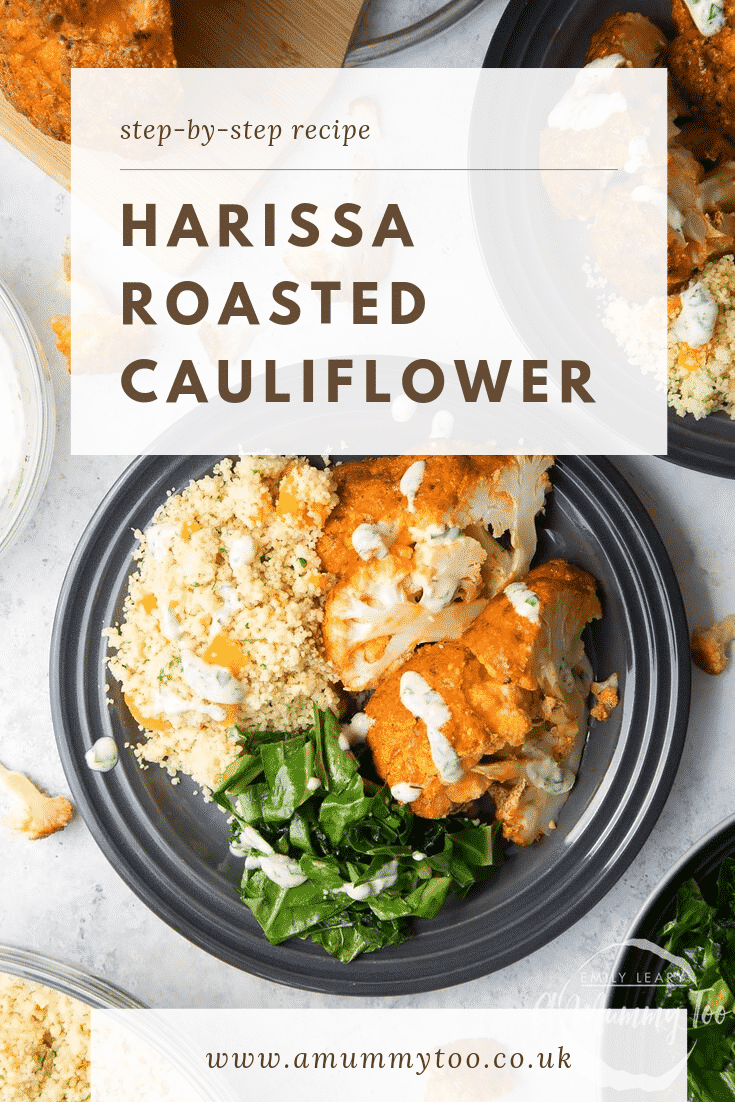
x,y
502,712
415,546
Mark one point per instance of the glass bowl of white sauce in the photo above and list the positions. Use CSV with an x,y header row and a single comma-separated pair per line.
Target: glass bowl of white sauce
x,y
27,419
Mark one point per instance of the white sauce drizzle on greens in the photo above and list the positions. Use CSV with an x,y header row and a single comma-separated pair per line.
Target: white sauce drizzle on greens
x,y
340,863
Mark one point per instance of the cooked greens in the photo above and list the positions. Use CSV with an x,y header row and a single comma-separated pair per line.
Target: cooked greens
x,y
704,935
330,856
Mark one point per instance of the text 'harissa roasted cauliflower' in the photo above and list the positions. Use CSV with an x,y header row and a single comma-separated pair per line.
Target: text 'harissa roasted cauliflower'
x,y
418,546
502,711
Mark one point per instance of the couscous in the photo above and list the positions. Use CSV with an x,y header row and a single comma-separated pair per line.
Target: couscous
x,y
702,368
222,620
44,1044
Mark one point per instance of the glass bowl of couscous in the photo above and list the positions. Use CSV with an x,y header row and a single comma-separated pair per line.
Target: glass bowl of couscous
x,y
45,1026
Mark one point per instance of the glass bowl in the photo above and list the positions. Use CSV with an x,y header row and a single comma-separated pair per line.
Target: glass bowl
x,y
29,384
37,968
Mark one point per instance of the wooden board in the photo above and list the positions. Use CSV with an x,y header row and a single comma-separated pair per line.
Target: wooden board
x,y
273,34
50,155
228,34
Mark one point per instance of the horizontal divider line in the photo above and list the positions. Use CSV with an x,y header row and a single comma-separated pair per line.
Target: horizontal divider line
x,y
353,169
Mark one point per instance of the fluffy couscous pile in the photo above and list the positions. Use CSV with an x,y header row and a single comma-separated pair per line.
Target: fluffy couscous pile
x,y
222,621
702,376
44,1044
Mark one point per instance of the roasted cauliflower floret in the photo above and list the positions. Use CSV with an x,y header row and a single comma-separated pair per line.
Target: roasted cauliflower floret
x,y
702,59
529,636
709,645
40,815
628,35
517,811
41,41
434,720
415,546
606,697
378,615
531,632
699,229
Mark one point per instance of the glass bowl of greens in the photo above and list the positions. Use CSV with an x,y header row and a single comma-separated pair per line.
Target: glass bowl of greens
x,y
691,916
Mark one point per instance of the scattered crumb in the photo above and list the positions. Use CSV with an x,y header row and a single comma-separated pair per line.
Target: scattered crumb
x,y
709,645
606,697
61,325
41,815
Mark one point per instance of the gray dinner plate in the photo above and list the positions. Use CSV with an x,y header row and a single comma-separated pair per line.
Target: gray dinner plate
x,y
172,849
553,34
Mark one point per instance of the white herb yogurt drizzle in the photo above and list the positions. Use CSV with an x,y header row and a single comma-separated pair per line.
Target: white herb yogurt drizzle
x,y
372,541
242,551
411,482
612,61
159,538
210,682
708,15
102,755
696,322
546,774
405,792
384,878
524,601
586,106
426,704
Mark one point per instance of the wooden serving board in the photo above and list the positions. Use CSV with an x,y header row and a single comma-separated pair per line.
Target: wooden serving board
x,y
224,34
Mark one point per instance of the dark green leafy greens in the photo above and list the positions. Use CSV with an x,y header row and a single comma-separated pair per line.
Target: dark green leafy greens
x,y
347,867
703,934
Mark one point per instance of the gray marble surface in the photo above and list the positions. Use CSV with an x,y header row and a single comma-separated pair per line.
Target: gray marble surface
x,y
60,895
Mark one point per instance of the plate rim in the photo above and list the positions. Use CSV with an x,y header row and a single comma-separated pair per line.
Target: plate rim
x,y
365,981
